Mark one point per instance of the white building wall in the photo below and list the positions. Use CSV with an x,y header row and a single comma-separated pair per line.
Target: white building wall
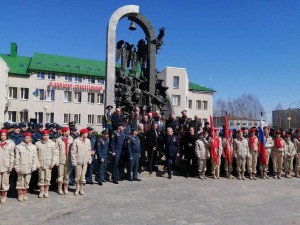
x,y
185,95
58,106
3,87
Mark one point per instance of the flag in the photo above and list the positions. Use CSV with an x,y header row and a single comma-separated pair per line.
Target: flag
x,y
36,93
227,150
213,146
262,143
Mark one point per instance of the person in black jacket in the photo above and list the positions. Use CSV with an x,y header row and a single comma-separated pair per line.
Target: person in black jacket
x,y
172,149
152,146
189,141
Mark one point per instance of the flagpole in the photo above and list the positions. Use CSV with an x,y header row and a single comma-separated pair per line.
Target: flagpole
x,y
226,137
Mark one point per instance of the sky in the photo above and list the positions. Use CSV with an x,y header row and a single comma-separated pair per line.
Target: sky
x,y
232,46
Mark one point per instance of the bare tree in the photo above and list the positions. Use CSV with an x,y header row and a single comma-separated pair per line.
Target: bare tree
x,y
247,105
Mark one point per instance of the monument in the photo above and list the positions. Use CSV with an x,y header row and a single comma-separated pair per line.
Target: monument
x,y
134,83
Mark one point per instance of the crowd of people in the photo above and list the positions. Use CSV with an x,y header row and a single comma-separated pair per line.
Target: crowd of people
x,y
37,155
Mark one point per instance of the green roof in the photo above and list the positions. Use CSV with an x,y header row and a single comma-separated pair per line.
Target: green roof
x,y
69,65
18,65
196,87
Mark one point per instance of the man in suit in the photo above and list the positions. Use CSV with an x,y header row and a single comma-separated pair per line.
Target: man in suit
x,y
172,149
152,145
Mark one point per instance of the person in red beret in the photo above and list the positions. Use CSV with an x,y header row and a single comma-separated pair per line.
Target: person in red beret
x,y
297,147
6,162
48,156
215,166
278,153
240,152
228,161
64,159
253,153
80,157
269,144
289,154
26,162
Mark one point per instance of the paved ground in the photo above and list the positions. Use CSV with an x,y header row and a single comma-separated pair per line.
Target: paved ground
x,y
158,200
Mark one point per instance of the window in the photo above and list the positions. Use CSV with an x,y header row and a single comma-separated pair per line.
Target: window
x,y
91,80
90,119
101,81
67,96
39,117
205,105
24,116
24,93
176,99
68,78
99,119
204,121
12,94
50,117
39,94
77,97
198,104
50,95
77,118
40,76
12,116
91,97
67,118
78,79
190,104
175,82
100,98
51,76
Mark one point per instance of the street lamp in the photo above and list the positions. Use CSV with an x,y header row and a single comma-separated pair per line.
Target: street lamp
x,y
46,112
289,116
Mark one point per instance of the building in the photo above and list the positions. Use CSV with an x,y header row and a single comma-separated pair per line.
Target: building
x,y
288,118
185,95
50,88
236,122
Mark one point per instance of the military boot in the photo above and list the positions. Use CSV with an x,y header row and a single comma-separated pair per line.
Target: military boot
x,y
46,193
60,191
20,195
3,197
243,176
41,194
66,188
278,175
24,192
77,189
81,191
239,176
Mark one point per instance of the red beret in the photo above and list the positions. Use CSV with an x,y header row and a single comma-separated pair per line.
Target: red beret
x,y
252,130
277,132
64,129
83,131
240,131
287,135
298,130
4,131
266,128
45,132
216,129
27,134
230,131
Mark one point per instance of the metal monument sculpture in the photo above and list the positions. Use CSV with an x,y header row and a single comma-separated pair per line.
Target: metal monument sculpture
x,y
136,82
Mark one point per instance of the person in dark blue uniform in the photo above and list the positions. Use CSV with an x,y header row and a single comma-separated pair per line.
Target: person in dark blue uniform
x,y
107,120
16,136
90,168
134,153
37,135
117,146
172,149
117,118
74,135
23,127
102,152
